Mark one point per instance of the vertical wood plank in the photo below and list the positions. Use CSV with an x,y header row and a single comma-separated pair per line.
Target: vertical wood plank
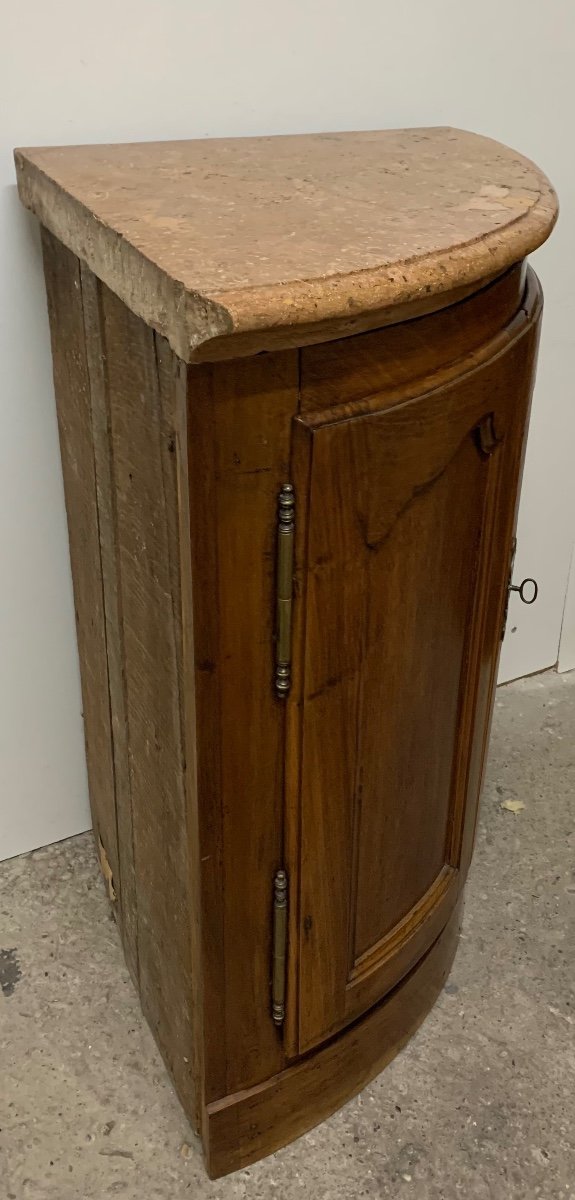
x,y
99,392
188,715
143,395
205,686
72,386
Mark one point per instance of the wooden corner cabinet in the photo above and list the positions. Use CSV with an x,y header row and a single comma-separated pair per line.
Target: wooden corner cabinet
x,y
293,379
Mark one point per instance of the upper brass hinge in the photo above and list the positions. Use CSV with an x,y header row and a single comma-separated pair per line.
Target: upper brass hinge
x,y
284,588
279,946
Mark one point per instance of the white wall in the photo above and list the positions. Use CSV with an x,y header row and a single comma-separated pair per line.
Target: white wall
x,y
132,69
567,644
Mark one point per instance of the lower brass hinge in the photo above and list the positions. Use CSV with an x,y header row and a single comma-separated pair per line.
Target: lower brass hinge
x,y
279,947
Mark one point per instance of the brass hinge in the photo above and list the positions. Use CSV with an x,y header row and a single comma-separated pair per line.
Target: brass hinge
x,y
279,947
284,588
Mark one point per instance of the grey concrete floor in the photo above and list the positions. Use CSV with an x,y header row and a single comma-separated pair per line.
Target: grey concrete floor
x,y
480,1104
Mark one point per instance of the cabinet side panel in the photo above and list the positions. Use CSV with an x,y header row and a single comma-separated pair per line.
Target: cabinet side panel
x,y
239,448
143,396
99,393
71,381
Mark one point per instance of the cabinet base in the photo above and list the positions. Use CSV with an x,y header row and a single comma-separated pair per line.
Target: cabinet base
x,y
246,1126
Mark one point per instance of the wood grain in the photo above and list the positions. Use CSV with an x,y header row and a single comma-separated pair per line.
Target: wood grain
x,y
253,1123
408,524
142,420
108,535
239,444
379,362
495,593
405,448
73,397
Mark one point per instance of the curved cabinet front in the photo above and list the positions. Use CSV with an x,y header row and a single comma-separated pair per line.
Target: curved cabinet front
x,y
405,510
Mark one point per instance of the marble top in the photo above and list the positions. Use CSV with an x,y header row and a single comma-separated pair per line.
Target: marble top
x,y
230,246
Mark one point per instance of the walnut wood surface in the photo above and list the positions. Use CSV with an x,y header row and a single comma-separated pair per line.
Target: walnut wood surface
x,y
383,360
404,447
406,524
255,1122
239,446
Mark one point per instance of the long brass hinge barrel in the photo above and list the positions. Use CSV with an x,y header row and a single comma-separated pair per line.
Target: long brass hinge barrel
x,y
284,586
279,950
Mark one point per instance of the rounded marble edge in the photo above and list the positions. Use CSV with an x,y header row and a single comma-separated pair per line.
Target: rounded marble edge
x,y
341,297
192,319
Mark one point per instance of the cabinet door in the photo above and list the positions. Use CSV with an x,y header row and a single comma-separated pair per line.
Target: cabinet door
x,y
405,518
